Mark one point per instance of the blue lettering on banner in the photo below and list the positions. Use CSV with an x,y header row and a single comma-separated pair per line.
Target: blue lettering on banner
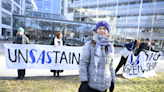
x,y
32,56
42,57
70,59
50,60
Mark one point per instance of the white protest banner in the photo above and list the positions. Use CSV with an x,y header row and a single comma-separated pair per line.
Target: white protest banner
x,y
125,52
42,57
142,65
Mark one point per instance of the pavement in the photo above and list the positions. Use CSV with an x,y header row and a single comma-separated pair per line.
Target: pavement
x,y
11,73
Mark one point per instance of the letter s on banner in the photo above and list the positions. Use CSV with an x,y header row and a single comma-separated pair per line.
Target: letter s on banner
x,y
32,56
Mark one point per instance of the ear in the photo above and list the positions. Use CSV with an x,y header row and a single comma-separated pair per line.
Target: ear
x,y
108,34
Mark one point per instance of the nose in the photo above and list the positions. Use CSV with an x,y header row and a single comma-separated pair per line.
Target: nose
x,y
101,30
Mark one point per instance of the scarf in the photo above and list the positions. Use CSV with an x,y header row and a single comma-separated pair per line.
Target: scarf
x,y
101,41
58,42
16,40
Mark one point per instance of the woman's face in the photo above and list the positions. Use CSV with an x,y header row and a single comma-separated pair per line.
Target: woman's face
x,y
61,36
103,31
137,44
20,32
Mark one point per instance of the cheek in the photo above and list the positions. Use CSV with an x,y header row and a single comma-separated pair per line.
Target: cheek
x,y
98,32
105,32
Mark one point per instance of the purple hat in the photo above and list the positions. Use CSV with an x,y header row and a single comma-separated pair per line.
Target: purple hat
x,y
103,23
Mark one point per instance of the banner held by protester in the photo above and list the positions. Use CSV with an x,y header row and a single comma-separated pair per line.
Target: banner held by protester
x,y
42,57
142,65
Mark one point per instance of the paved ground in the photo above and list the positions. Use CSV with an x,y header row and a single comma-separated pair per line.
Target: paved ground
x,y
11,73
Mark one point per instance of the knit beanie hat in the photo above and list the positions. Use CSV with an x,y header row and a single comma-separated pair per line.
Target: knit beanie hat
x,y
21,29
102,23
147,39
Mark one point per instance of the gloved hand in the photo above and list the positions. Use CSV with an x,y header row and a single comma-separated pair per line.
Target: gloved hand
x,y
160,52
129,49
83,87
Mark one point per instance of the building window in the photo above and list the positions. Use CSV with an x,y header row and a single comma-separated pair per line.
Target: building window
x,y
121,17
76,19
134,4
85,0
6,19
131,17
82,19
158,30
62,3
62,11
22,3
70,1
159,2
111,6
148,2
17,1
6,4
28,1
70,10
37,14
123,5
146,17
159,14
16,10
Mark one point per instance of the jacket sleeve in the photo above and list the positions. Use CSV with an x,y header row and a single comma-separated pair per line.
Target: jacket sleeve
x,y
63,42
113,75
154,50
14,41
27,40
128,46
141,47
84,62
52,42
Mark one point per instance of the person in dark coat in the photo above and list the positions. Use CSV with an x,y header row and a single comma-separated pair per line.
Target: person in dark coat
x,y
132,46
57,41
21,39
145,46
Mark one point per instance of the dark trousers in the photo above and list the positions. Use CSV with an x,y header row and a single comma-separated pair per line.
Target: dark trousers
x,y
56,71
93,90
21,72
122,62
111,87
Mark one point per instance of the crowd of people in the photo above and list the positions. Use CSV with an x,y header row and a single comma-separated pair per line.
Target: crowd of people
x,y
96,70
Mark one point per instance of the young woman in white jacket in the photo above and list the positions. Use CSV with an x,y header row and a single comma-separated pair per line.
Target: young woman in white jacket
x,y
57,41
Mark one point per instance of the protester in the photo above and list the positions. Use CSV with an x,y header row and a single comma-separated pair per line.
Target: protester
x,y
96,65
21,39
132,46
57,41
146,46
90,37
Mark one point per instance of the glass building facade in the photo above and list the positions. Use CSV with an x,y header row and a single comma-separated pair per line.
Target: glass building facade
x,y
128,19
45,8
44,29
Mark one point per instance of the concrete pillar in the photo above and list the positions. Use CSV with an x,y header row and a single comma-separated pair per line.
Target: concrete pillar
x,y
158,43
161,43
0,18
